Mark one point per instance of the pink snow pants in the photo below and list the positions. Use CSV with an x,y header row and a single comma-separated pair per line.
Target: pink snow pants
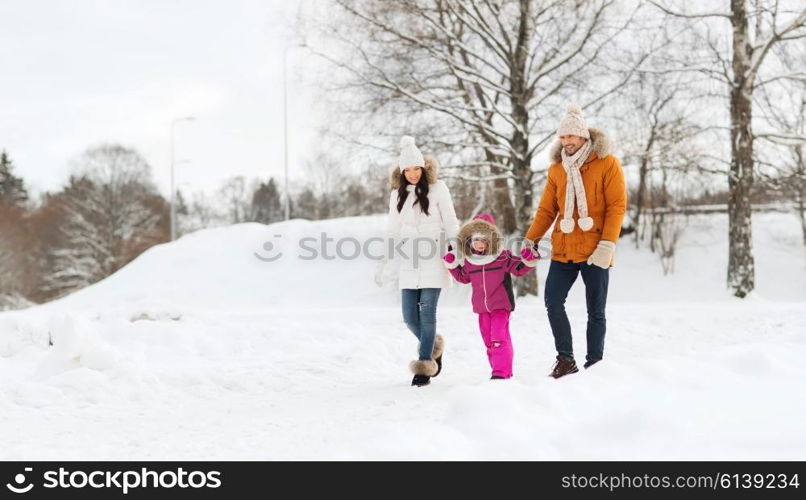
x,y
494,328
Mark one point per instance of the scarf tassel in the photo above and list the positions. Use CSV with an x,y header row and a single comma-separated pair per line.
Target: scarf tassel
x,y
567,225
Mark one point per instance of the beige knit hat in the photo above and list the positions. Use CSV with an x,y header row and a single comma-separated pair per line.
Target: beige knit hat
x,y
573,123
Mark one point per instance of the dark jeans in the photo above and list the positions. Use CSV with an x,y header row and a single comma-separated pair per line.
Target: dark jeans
x,y
560,278
420,315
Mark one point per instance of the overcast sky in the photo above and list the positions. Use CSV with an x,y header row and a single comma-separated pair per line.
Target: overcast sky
x,y
81,72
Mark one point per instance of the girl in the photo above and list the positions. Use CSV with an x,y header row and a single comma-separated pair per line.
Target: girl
x,y
487,267
421,215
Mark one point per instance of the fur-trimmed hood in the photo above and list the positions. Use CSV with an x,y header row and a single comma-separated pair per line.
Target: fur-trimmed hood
x,y
480,226
431,170
600,142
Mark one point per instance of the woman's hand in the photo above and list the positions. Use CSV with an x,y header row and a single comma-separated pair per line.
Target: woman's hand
x,y
449,258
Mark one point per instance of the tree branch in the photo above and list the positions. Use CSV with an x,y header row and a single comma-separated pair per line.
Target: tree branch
x,y
686,15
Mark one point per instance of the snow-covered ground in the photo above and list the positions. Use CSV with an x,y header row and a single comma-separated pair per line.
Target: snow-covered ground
x,y
201,350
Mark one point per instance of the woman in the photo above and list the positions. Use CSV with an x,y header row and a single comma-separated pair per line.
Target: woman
x,y
421,214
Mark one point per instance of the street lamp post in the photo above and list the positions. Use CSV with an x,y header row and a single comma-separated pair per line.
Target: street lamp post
x,y
287,204
173,161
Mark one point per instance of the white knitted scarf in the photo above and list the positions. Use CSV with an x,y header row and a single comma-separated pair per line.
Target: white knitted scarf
x,y
574,188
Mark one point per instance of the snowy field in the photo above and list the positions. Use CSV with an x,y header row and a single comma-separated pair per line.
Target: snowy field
x,y
198,350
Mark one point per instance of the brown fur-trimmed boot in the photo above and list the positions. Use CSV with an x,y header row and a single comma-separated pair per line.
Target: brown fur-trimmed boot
x,y
439,347
423,371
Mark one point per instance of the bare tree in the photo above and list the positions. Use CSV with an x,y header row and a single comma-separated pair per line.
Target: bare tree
x,y
666,223
236,196
783,112
667,228
486,80
330,192
111,213
662,130
202,213
753,33
122,204
650,132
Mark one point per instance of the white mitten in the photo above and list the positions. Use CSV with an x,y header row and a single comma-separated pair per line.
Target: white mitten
x,y
603,255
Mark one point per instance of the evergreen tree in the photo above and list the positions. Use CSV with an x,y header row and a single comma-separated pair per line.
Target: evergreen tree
x,y
181,205
12,189
266,203
306,205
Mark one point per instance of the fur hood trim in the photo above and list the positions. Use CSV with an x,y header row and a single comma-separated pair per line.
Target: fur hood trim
x,y
431,170
600,141
490,231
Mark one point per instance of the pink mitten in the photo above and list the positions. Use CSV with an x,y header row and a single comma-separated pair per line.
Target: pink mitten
x,y
449,258
529,254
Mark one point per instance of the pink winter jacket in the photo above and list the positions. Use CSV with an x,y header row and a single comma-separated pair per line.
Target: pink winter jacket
x,y
490,278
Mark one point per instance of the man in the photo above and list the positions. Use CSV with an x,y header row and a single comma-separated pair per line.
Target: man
x,y
585,193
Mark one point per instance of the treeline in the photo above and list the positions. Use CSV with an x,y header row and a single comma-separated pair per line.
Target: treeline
x,y
109,211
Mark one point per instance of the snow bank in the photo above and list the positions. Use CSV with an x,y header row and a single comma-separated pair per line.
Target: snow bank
x,y
201,350
229,268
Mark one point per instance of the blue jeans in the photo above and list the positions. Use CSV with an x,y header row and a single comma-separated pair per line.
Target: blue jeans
x,y
420,315
560,278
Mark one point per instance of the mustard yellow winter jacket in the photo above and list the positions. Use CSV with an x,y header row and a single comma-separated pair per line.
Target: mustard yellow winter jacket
x,y
606,194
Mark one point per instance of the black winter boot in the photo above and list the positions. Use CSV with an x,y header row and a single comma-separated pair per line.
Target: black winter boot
x,y
420,380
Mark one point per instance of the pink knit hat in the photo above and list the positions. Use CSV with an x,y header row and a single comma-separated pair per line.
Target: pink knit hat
x,y
485,217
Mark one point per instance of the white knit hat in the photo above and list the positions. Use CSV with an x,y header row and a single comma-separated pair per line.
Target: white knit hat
x,y
573,123
410,156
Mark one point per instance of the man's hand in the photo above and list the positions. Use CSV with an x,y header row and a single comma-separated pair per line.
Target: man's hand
x,y
603,255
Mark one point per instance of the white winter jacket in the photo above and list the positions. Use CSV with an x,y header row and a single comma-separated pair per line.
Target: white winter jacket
x,y
424,237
